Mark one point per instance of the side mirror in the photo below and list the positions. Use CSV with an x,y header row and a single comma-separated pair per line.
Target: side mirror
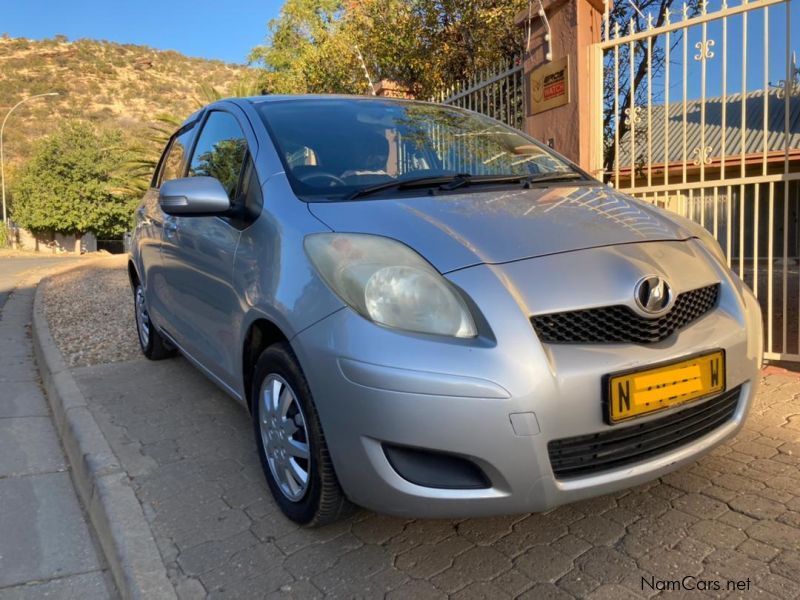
x,y
193,196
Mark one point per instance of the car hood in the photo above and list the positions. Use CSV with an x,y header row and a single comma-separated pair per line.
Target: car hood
x,y
459,230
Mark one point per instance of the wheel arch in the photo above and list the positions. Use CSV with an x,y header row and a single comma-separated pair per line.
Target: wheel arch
x,y
133,274
260,335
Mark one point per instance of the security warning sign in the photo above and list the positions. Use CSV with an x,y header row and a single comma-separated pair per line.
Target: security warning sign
x,y
549,86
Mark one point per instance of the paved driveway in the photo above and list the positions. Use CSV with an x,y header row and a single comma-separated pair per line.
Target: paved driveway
x,y
733,517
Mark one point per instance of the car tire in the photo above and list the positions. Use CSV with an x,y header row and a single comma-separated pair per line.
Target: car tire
x,y
291,442
152,344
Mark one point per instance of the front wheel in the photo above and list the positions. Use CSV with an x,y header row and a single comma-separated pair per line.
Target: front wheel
x,y
152,344
291,444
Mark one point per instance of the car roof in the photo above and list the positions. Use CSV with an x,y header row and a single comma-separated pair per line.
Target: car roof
x,y
289,97
256,100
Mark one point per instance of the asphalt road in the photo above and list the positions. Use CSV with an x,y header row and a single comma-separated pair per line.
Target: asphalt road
x,y
11,268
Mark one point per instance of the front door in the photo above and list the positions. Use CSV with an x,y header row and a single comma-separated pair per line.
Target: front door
x,y
198,255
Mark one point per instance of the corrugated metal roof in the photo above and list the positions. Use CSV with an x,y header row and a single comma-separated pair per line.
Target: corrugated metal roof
x,y
753,128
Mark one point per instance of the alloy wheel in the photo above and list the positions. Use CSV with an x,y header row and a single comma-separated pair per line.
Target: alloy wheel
x,y
142,318
284,435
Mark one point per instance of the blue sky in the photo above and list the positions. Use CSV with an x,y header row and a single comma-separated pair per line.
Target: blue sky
x,y
224,30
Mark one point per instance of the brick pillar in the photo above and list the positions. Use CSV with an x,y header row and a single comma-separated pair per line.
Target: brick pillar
x,y
391,89
571,127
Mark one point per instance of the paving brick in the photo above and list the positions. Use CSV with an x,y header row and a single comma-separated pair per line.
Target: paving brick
x,y
779,586
665,530
542,563
776,534
295,590
757,506
578,583
320,557
613,592
699,505
546,591
754,450
417,589
571,546
487,531
685,481
734,565
737,483
480,563
693,548
480,590
787,564
736,520
205,557
427,560
606,564
535,529
513,582
758,550
670,564
648,503
785,483
378,529
356,566
717,534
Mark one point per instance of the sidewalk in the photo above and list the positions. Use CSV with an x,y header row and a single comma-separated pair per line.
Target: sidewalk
x,y
46,546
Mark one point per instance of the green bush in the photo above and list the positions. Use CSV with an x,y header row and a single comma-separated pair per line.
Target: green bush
x,y
5,236
73,183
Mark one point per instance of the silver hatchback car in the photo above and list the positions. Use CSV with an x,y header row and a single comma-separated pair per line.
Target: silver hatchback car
x,y
428,313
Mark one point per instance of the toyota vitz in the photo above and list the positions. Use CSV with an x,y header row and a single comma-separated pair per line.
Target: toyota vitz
x,y
431,314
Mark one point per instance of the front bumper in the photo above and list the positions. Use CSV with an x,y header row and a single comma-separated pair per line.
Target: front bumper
x,y
376,386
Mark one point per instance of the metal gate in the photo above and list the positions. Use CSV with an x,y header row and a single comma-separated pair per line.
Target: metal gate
x,y
495,92
701,116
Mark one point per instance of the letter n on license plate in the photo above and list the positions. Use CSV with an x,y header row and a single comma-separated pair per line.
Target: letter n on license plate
x,y
643,391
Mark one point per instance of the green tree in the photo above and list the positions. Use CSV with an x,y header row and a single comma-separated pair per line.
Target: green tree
x,y
310,49
72,184
426,45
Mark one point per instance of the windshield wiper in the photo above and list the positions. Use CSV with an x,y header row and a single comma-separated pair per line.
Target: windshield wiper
x,y
405,184
544,177
452,182
467,179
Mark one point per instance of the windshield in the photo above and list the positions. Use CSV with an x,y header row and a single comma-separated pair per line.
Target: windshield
x,y
333,148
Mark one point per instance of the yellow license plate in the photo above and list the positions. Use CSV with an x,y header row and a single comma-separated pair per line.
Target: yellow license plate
x,y
636,393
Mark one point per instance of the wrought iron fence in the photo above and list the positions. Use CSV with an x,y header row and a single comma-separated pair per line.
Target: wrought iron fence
x,y
496,92
705,136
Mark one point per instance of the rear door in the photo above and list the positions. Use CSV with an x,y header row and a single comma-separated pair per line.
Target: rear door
x,y
198,252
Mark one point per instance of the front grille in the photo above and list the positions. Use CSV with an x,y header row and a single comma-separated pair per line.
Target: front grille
x,y
621,324
620,446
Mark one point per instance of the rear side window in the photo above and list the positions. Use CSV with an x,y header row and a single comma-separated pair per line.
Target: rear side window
x,y
220,151
174,162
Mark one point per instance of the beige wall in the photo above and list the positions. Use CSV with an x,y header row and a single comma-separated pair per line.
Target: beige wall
x,y
54,243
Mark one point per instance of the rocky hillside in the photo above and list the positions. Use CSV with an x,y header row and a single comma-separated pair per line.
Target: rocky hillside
x,y
119,85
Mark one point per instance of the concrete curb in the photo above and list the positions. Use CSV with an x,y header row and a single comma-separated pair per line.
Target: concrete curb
x,y
102,484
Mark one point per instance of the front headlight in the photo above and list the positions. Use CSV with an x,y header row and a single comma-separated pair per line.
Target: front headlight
x,y
388,283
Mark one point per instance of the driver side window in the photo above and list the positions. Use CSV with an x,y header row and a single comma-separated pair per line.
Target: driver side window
x,y
220,151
